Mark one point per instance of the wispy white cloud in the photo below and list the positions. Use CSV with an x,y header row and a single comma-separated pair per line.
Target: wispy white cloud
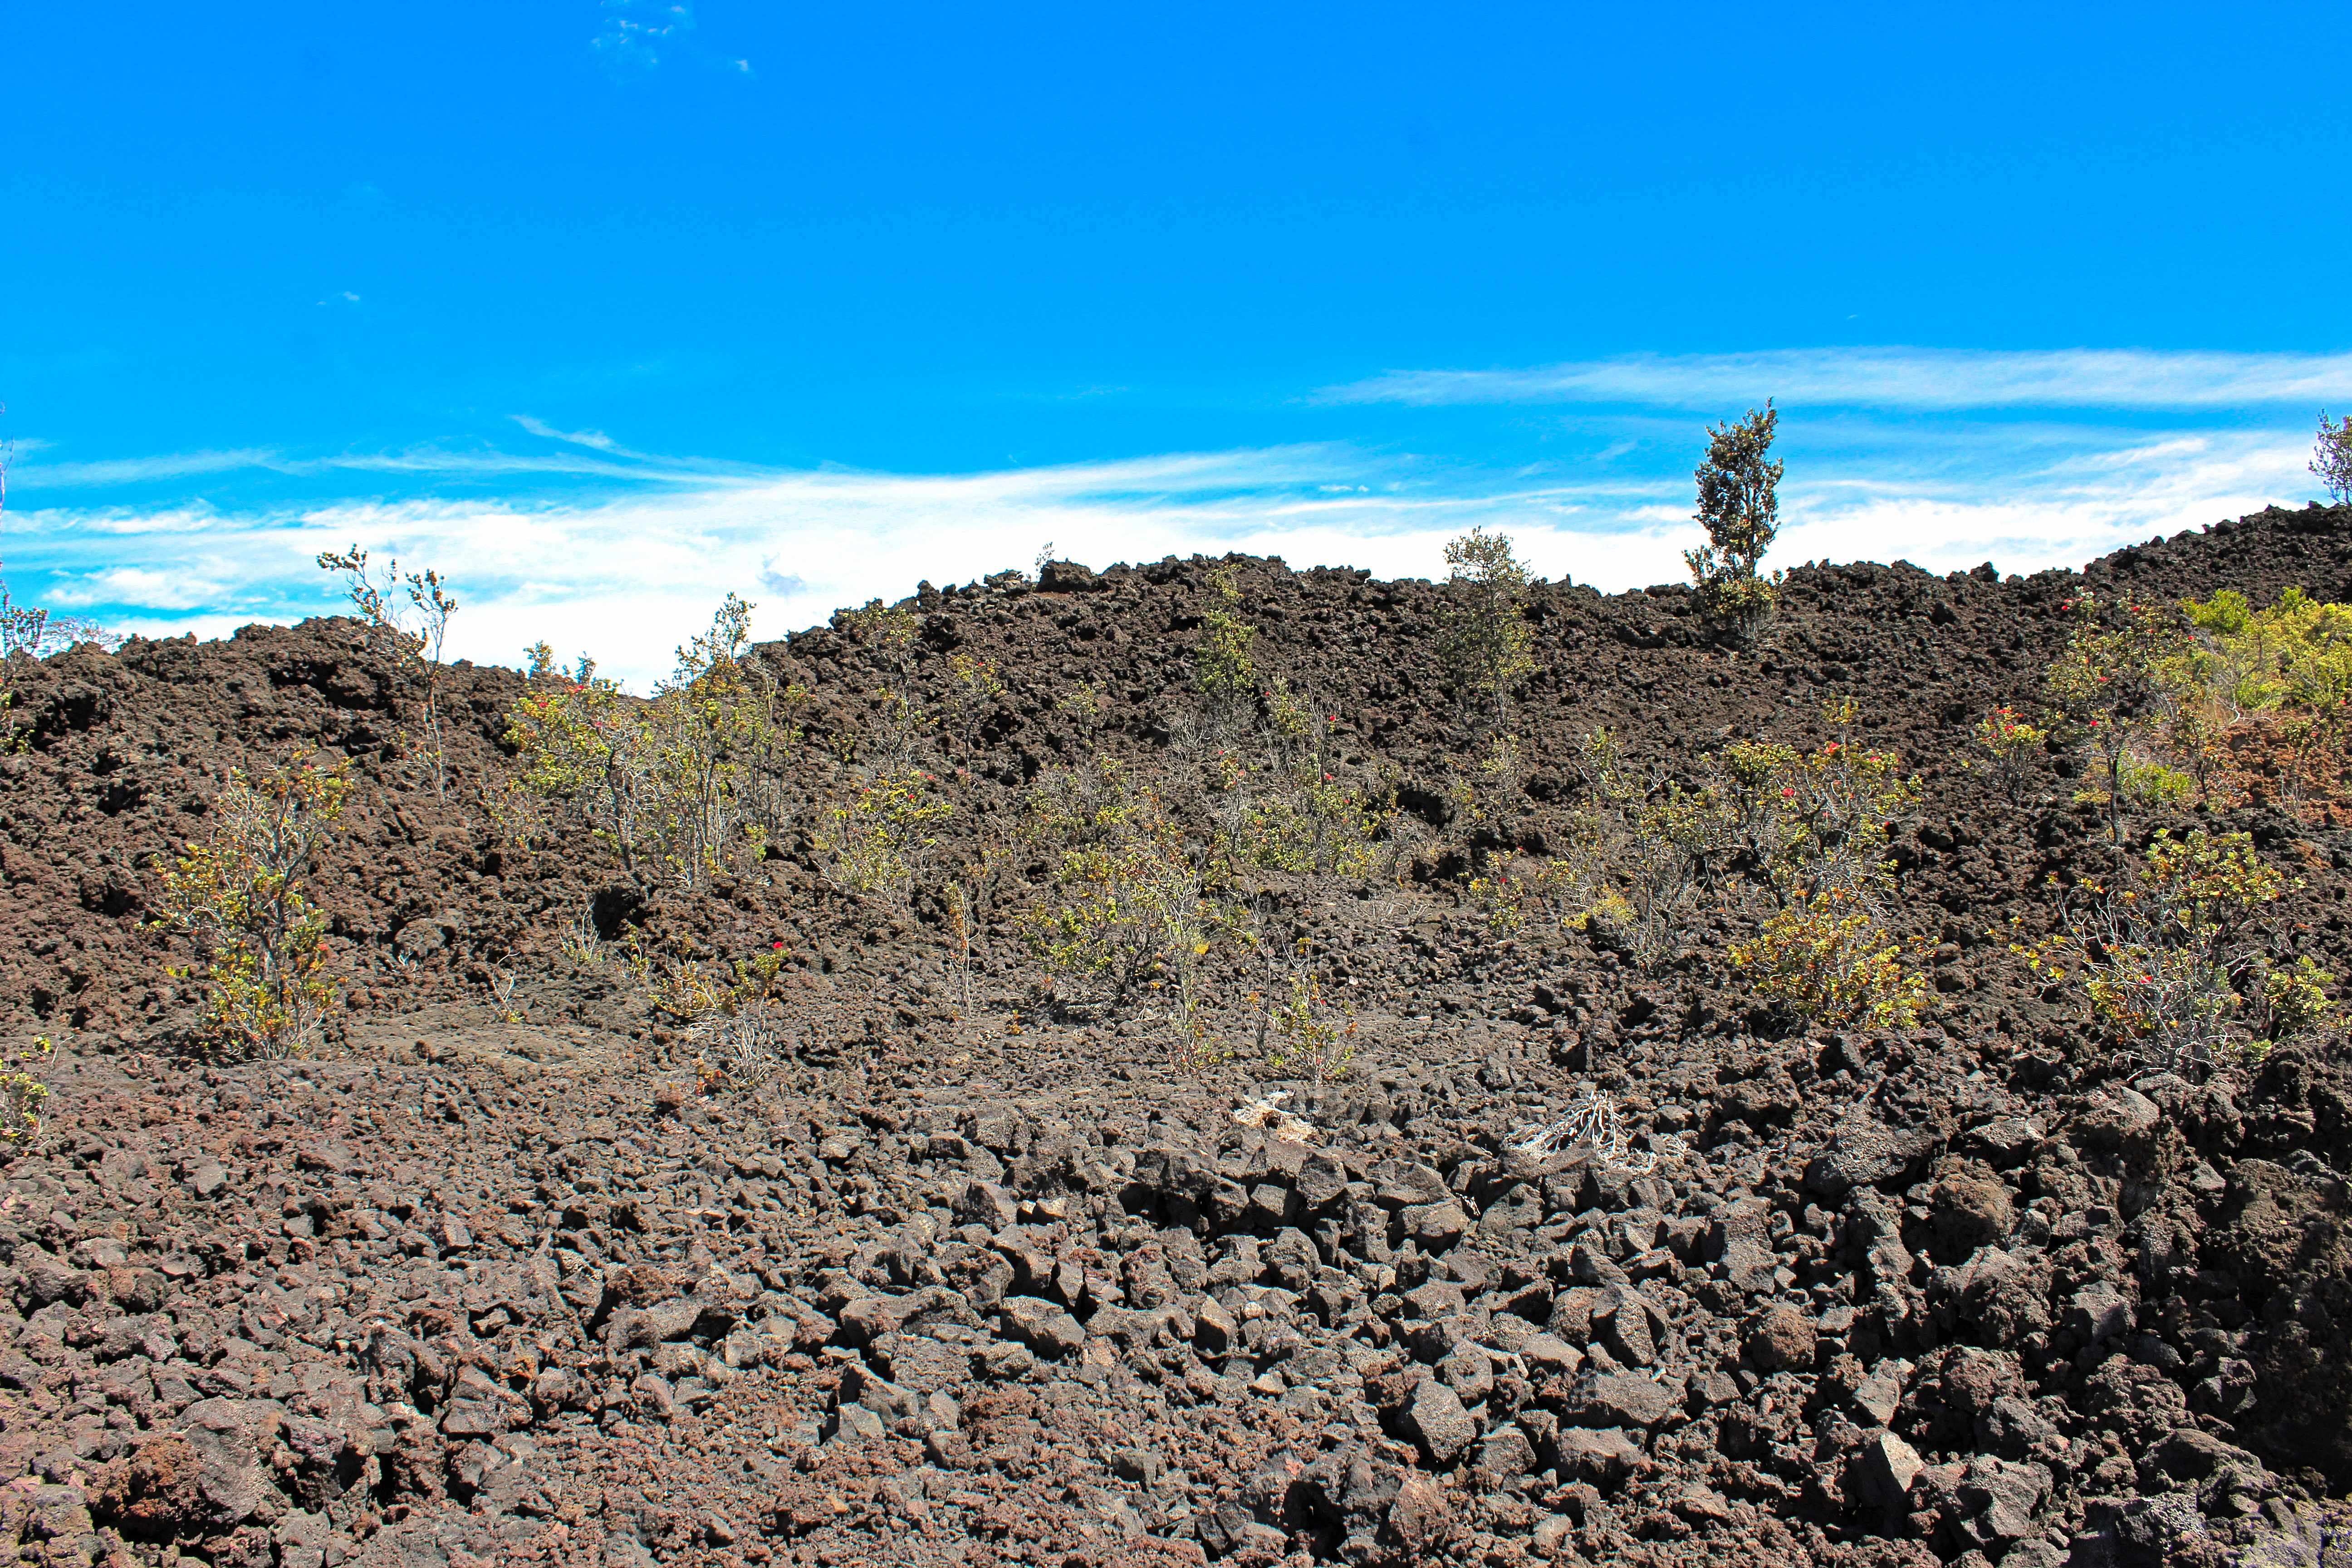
x,y
612,461
633,33
112,471
594,439
620,552
1893,378
626,576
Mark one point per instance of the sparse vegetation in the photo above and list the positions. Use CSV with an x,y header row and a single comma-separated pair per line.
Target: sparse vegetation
x,y
242,897
415,636
1826,960
23,1094
2167,962
2124,668
678,786
970,991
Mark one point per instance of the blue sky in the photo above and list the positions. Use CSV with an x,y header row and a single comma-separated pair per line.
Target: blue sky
x,y
608,309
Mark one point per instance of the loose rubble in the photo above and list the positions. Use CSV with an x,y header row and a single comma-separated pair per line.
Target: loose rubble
x,y
974,1290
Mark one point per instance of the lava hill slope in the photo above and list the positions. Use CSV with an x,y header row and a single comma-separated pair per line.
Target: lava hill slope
x,y
975,1276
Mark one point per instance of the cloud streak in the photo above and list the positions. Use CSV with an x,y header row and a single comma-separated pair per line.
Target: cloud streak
x,y
601,547
626,577
1927,380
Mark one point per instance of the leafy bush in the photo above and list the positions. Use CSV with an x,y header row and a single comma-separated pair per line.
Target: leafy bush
x,y
1641,847
2013,743
680,784
1301,1033
881,835
2165,963
1740,506
1647,851
1133,914
240,895
1223,670
1826,960
2287,669
22,1094
1486,642
1813,822
2295,997
2123,673
1291,814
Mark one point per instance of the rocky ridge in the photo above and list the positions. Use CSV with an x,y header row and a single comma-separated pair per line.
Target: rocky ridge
x,y
984,1287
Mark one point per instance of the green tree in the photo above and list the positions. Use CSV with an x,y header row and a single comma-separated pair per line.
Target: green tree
x,y
1488,643
2332,459
1740,506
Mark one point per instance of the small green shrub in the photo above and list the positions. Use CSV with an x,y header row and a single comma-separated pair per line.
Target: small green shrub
x,y
2013,743
679,784
1223,668
1827,960
1133,914
22,1095
676,984
879,837
1813,822
240,894
1302,1034
1644,845
2164,963
2295,997
2123,671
